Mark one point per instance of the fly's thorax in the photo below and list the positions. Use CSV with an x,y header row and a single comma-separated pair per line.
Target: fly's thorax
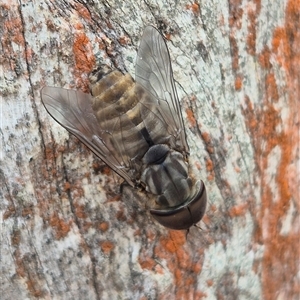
x,y
165,174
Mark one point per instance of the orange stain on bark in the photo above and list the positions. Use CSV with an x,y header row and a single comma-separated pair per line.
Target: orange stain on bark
x,y
207,140
180,263
147,263
210,169
264,58
79,211
191,117
82,11
32,288
124,40
67,186
84,59
234,53
13,28
28,211
103,226
174,240
195,7
280,263
9,212
238,210
107,246
251,38
60,226
23,264
238,82
206,137
271,88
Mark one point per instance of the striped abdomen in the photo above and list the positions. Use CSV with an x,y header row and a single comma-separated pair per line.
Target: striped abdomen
x,y
134,126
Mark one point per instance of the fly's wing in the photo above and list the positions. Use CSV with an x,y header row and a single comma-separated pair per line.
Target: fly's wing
x,y
73,110
155,85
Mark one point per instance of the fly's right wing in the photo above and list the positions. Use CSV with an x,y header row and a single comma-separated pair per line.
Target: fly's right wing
x,y
73,110
155,85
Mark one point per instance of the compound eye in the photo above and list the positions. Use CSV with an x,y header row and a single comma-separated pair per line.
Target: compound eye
x,y
184,216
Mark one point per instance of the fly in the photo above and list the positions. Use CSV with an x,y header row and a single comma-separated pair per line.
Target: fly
x,y
136,128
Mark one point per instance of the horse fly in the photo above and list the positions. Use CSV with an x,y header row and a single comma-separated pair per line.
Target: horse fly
x,y
136,128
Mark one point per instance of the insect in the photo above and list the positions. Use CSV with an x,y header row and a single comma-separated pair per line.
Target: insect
x,y
136,128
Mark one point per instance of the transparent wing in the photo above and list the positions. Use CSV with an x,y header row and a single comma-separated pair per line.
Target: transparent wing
x,y
154,77
73,110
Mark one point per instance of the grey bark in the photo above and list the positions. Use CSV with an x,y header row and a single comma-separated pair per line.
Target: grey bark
x,y
66,231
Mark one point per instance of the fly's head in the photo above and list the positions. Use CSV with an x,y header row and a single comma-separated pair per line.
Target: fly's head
x,y
185,215
180,201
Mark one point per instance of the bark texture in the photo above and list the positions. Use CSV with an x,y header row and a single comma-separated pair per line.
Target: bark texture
x,y
67,232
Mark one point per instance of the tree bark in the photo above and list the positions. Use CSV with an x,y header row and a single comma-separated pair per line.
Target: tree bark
x,y
68,233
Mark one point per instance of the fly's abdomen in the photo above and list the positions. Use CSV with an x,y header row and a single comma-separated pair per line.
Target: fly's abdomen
x,y
117,111
134,127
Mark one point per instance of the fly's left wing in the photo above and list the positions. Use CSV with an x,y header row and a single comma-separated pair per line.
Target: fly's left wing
x,y
154,77
73,110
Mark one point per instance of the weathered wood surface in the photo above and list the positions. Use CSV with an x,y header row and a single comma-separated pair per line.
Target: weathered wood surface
x,y
66,233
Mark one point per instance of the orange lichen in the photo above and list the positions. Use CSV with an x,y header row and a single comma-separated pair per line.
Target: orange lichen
x,y
272,91
101,44
123,40
107,246
206,137
234,53
213,208
82,11
20,269
251,38
264,58
195,8
191,117
237,169
16,238
13,28
281,259
9,212
78,26
120,215
238,82
60,226
50,25
27,211
106,170
197,268
168,36
235,14
67,186
210,169
183,266
173,241
80,210
32,288
238,210
84,58
209,282
147,263
103,226
115,198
